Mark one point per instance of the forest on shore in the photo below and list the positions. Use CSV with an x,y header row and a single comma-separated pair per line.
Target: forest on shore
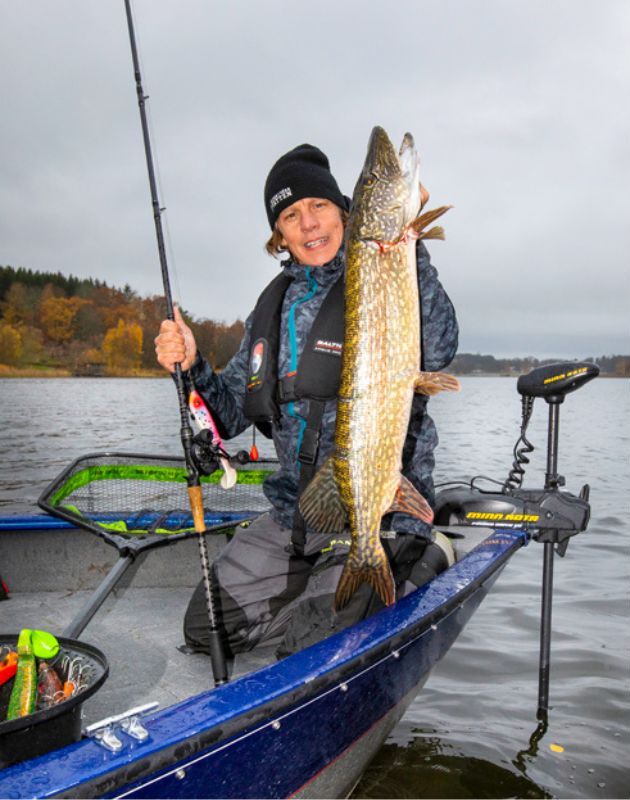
x,y
51,324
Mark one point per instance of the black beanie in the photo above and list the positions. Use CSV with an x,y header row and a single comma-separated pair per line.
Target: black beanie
x,y
302,172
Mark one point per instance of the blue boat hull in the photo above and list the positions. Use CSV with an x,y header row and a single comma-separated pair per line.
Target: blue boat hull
x,y
306,726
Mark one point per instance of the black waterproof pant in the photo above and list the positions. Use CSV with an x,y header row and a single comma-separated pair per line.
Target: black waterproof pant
x,y
268,595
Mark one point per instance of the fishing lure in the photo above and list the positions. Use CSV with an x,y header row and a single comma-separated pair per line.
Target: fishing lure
x,y
8,666
23,697
49,686
203,418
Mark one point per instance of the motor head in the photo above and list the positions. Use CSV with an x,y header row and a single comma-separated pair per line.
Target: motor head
x,y
556,380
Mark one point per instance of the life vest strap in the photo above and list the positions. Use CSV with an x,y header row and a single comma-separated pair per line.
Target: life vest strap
x,y
307,457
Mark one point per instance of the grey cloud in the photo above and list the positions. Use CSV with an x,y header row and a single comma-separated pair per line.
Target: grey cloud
x,y
519,111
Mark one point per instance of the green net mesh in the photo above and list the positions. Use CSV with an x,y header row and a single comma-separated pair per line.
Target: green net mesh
x,y
136,494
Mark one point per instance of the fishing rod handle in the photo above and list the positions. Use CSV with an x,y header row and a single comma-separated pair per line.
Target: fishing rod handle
x,y
195,497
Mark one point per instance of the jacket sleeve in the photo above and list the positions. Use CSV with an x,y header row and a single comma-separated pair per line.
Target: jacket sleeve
x,y
440,331
224,392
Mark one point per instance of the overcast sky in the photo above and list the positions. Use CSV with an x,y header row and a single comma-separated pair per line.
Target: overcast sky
x,y
519,109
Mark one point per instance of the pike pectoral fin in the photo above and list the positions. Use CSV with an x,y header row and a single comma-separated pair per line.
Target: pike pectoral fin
x,y
437,232
420,223
377,573
409,500
321,504
434,382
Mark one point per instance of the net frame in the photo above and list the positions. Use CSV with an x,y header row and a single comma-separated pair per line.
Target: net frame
x,y
114,495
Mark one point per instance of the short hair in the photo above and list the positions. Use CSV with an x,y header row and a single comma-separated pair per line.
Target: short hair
x,y
274,244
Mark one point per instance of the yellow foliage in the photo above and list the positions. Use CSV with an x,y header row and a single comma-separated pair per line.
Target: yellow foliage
x,y
57,316
10,344
122,346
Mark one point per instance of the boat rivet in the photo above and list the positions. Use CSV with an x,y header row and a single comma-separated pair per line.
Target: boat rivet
x,y
275,725
180,774
343,687
396,654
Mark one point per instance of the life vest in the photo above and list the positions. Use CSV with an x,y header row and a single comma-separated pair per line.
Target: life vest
x,y
316,378
319,368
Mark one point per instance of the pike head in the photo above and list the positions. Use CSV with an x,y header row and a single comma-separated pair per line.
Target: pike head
x,y
387,195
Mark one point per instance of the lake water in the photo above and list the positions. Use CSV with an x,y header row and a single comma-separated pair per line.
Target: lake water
x,y
469,731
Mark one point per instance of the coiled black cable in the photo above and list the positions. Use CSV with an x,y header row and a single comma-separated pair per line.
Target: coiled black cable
x,y
521,449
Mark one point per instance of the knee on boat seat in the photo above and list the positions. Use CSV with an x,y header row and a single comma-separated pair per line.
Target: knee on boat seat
x,y
438,555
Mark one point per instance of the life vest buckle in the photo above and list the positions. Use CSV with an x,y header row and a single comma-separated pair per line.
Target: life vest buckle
x,y
309,447
286,388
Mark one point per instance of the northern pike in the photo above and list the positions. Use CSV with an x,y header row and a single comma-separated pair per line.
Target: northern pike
x,y
380,371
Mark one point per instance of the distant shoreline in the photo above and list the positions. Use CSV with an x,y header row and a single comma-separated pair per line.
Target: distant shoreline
x,y
11,372
55,372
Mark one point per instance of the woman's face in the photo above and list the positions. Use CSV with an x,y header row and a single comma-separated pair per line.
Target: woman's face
x,y
312,230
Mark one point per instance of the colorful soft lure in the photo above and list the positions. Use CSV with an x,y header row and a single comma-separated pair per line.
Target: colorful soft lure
x,y
8,666
23,697
203,418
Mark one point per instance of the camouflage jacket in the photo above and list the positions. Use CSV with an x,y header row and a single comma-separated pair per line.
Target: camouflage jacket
x,y
225,392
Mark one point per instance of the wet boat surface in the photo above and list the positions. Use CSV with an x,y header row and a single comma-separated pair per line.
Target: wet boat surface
x,y
315,718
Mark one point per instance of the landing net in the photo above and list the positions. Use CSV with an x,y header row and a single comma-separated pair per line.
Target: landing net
x,y
135,495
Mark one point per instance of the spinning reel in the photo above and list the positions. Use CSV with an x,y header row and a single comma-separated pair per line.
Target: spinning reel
x,y
208,455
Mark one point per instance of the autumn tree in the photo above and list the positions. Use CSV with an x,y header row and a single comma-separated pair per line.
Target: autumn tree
x,y
206,337
89,325
228,339
151,312
57,315
32,344
10,344
122,346
20,303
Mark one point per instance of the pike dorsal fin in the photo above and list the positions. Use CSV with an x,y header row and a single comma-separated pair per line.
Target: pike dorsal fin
x,y
321,505
409,500
431,383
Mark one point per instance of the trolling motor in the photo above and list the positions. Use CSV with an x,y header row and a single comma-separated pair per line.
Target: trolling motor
x,y
549,515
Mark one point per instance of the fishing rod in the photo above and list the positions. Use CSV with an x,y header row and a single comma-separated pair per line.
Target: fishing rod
x,y
195,495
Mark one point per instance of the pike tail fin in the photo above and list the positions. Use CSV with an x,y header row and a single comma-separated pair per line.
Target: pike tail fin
x,y
321,504
376,572
434,382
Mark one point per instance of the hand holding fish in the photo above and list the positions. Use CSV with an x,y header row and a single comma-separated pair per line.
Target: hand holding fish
x,y
175,343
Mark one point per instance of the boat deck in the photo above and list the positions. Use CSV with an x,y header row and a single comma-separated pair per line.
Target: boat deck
x,y
139,630
139,627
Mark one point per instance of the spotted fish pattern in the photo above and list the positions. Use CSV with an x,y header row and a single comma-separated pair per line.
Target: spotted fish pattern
x,y
362,481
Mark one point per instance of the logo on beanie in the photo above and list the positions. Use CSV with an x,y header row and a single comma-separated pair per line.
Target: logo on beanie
x,y
279,196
